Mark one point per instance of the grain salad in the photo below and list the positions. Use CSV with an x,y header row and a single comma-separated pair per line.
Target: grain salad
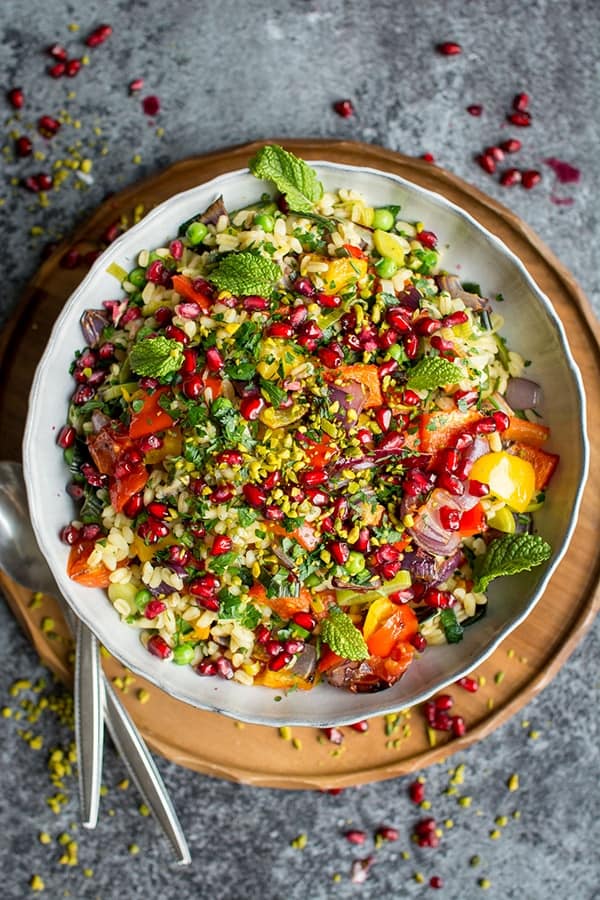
x,y
300,448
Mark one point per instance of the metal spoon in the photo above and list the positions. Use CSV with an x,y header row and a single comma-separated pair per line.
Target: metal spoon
x,y
22,560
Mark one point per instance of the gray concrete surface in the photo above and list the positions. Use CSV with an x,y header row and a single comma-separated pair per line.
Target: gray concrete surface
x,y
234,71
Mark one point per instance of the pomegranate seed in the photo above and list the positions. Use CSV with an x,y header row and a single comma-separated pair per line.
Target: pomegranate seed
x,y
495,152
206,667
193,387
387,368
133,506
221,494
457,318
362,727
304,287
308,335
510,177
69,535
410,398
16,97
340,508
478,488
83,394
106,351
520,119
411,345
329,301
449,48
438,599
57,70
313,477
443,702
151,105
387,833
334,735
262,634
230,458
57,51
383,417
501,419
130,315
179,555
355,837
427,326
475,109
487,163
387,339
154,608
221,544
280,662
512,145
340,552
98,35
251,407
451,483
76,491
149,384
530,178
280,330
331,356
255,304
190,361
44,182
254,495
154,271
428,157
459,726
293,646
449,460
317,497
157,646
429,711
344,108
416,792
450,518
48,126
364,436
136,85
436,882
91,532
214,360
158,510
66,437
304,620
352,342
224,668
520,102
427,239
23,146
426,826
204,586
397,318
73,67
442,721
463,441
485,426
469,684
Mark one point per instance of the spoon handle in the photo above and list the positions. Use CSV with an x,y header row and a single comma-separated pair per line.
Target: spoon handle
x,y
89,726
143,771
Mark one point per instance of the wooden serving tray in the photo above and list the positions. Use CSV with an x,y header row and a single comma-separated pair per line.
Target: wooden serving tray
x,y
517,670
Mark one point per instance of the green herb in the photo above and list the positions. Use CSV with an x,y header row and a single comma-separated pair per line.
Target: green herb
x,y
246,516
218,564
156,357
509,555
428,259
499,298
452,627
283,584
242,371
274,394
471,287
246,273
290,175
433,372
91,509
233,427
343,637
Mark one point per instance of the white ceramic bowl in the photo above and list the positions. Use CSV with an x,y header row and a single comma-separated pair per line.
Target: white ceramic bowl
x,y
532,329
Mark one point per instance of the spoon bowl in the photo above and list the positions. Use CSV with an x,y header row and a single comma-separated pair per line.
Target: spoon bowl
x,y
20,556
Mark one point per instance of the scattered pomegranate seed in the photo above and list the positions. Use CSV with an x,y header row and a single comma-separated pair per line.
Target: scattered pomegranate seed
x,y
512,145
520,102
487,163
331,356
436,882
66,437
444,702
458,726
416,792
475,109
428,157
255,304
449,48
334,735
510,177
280,330
16,97
449,518
72,68
293,646
23,146
344,108
495,152
48,126
193,387
387,833
57,70
57,51
530,178
151,105
98,35
362,727
520,119
304,287
355,837
468,684
360,869
136,85
157,646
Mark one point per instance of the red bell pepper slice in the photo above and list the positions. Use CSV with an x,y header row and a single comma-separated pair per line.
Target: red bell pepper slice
x,y
151,417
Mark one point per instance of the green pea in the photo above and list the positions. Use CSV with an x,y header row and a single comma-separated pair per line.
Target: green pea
x,y
264,221
183,654
196,232
386,267
355,563
137,277
383,220
142,598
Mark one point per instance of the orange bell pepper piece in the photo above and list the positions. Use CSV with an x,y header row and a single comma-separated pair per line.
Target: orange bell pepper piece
x,y
473,521
543,463
285,607
401,624
184,287
367,376
328,660
80,571
526,432
151,417
355,252
439,430
283,680
121,489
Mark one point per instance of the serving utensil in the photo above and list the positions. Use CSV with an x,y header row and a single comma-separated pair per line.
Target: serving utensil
x,y
21,559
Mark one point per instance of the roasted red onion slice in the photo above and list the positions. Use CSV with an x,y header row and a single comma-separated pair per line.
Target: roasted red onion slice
x,y
428,531
451,283
521,393
432,569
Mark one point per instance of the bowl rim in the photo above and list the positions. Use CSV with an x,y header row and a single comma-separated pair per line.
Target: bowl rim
x,y
115,250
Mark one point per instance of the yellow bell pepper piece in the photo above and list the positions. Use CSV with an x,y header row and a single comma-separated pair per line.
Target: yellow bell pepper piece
x,y
340,272
281,418
276,355
390,245
509,478
503,520
379,611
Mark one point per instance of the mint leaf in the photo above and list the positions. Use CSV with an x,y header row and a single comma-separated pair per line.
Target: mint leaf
x,y
341,634
510,555
246,273
291,176
156,357
432,372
